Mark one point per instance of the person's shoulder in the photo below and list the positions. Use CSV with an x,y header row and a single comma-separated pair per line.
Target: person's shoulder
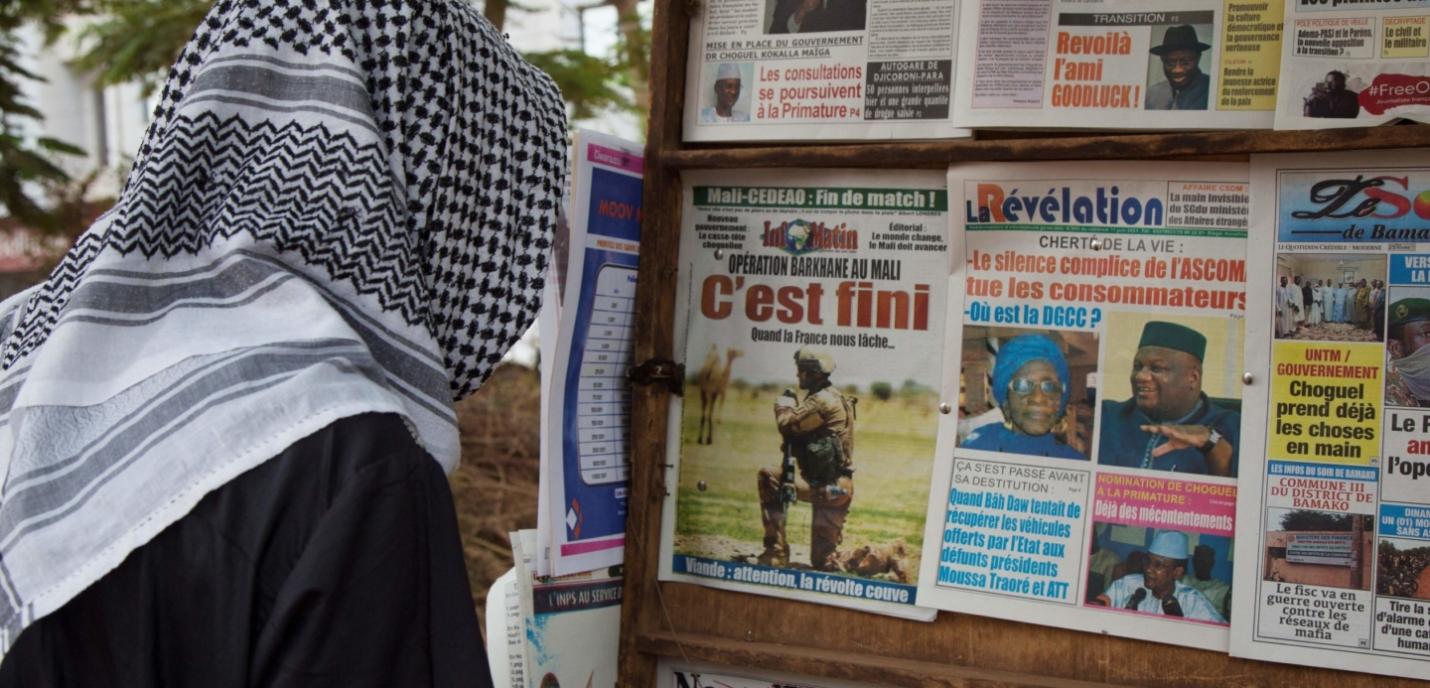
x,y
983,437
1193,592
1216,411
1064,451
1113,407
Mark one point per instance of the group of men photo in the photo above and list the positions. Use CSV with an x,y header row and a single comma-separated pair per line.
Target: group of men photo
x,y
1323,309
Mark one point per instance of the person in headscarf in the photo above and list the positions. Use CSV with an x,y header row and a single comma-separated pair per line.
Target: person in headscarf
x,y
1313,303
1361,314
225,416
1298,303
1285,311
1377,309
1030,383
1328,301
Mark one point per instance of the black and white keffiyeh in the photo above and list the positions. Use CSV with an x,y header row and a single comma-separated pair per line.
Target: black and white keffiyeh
x,y
342,206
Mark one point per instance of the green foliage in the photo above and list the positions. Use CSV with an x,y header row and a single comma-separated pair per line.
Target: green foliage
x,y
26,163
881,390
913,389
585,81
138,39
1304,519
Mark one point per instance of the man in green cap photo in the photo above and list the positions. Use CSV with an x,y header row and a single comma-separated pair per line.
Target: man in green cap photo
x,y
1407,380
1186,86
1169,424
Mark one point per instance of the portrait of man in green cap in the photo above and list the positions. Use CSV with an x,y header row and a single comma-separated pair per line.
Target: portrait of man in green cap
x,y
1407,380
1169,424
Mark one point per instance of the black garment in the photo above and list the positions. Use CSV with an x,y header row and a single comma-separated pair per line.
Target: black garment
x,y
1342,104
831,15
337,563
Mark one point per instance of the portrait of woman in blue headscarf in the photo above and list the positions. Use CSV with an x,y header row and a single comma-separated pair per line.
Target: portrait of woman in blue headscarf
x,y
1030,384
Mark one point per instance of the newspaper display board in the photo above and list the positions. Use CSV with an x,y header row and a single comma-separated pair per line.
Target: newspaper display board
x,y
1338,563
583,521
810,315
1356,63
1088,478
1118,64
674,673
821,70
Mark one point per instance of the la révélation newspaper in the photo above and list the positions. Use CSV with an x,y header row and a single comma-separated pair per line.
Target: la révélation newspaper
x,y
1354,63
1087,480
810,317
835,69
1334,562
1118,64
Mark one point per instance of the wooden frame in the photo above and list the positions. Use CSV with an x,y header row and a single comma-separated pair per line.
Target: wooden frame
x,y
697,623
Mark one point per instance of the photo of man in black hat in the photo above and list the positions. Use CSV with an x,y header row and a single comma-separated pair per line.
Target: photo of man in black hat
x,y
1184,86
1330,98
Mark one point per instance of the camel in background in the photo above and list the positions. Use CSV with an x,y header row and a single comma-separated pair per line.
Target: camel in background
x,y
713,379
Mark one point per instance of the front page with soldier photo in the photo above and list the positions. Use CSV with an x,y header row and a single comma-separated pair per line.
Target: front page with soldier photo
x,y
810,318
1088,478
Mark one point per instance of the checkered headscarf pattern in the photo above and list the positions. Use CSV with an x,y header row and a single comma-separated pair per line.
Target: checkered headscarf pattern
x,y
341,207
451,231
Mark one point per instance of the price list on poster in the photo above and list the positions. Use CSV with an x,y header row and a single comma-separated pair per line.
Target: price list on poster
x,y
603,403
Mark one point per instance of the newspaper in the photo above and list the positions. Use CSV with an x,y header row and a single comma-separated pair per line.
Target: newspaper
x,y
809,313
820,70
1087,481
672,673
1337,515
583,521
506,632
1118,64
1354,63
572,623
